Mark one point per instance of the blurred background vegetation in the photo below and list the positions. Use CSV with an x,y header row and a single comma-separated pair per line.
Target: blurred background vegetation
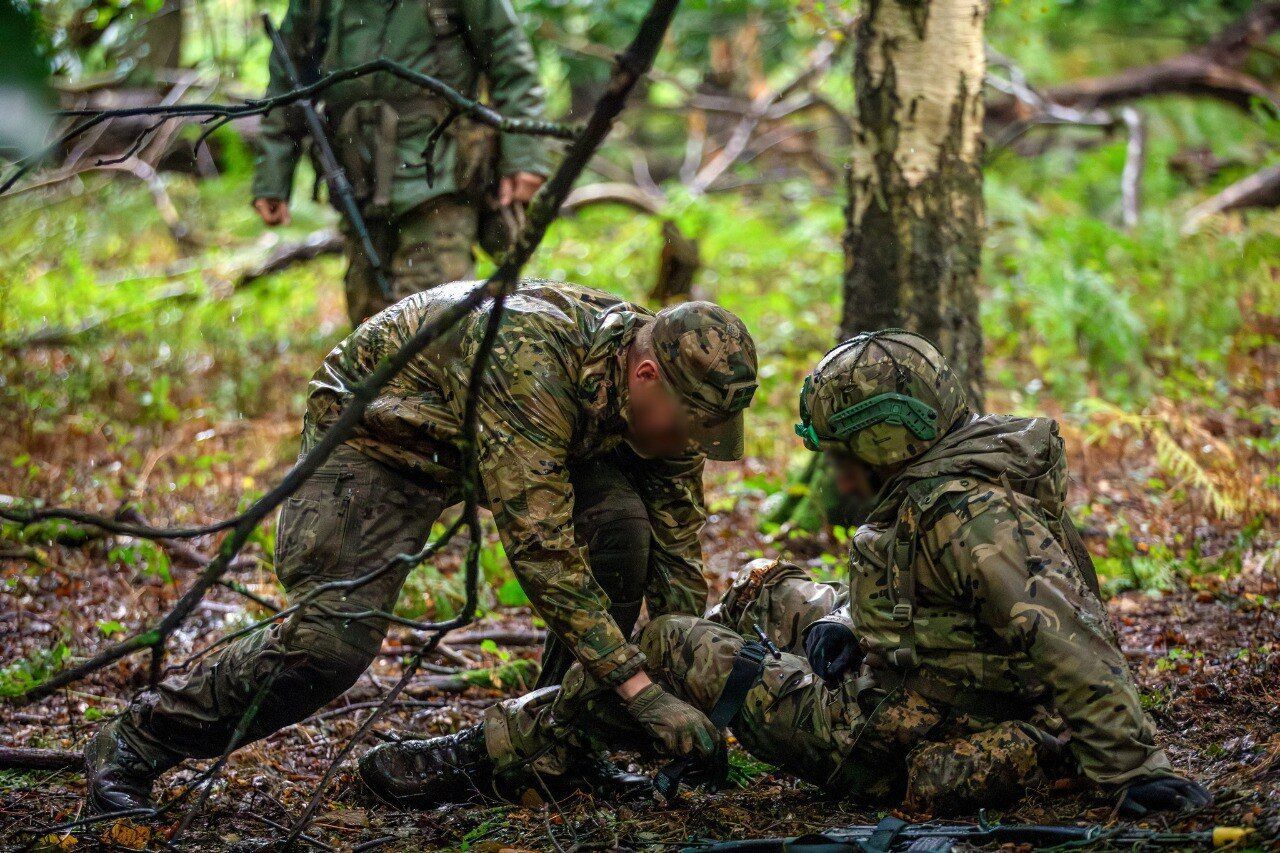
x,y
138,348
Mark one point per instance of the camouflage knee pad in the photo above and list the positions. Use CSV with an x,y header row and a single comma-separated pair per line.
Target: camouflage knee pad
x,y
781,598
991,767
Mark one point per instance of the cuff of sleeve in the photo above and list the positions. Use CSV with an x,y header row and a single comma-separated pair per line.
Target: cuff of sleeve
x,y
617,666
521,153
1157,764
837,618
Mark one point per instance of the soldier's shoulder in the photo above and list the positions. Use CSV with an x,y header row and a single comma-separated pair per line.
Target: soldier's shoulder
x,y
956,501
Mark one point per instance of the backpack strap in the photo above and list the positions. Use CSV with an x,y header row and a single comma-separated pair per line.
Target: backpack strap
x,y
902,584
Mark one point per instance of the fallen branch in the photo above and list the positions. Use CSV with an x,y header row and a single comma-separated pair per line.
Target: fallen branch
x,y
1261,189
326,241
16,758
57,336
501,636
1212,70
186,553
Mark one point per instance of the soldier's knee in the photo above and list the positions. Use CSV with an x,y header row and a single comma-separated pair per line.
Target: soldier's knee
x,y
614,524
322,666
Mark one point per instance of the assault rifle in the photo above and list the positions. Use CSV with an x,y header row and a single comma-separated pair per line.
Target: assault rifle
x,y
892,834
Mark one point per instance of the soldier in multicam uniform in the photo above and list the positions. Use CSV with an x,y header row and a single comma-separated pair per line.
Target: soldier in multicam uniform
x,y
594,416
423,230
969,658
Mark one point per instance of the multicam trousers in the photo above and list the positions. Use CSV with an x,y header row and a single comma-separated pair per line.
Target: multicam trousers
x,y
429,245
351,517
872,744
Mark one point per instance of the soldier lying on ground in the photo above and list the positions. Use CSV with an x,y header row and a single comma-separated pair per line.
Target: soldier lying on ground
x,y
969,658
587,413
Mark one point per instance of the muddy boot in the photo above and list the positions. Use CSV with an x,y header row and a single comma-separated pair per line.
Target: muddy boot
x,y
448,769
606,779
119,779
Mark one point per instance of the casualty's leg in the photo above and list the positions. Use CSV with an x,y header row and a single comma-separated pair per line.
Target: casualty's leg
x,y
987,768
350,518
781,598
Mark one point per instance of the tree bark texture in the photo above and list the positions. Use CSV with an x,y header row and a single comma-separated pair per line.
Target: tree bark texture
x,y
914,220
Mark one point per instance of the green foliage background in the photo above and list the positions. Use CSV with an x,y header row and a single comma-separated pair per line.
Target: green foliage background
x,y
1074,306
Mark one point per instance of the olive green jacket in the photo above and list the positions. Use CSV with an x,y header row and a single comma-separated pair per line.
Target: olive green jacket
x,y
554,393
461,42
964,579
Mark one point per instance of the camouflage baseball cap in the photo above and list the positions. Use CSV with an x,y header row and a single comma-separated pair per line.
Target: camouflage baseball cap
x,y
885,397
708,359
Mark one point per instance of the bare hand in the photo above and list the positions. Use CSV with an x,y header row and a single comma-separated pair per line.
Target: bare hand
x,y
274,211
518,188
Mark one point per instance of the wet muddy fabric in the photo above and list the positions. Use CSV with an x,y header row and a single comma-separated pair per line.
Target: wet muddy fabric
x,y
872,745
353,516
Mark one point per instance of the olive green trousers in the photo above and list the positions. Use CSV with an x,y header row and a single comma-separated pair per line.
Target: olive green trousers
x,y
335,544
427,246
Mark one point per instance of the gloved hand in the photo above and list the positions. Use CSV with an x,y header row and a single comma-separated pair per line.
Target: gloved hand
x,y
680,728
832,650
1163,793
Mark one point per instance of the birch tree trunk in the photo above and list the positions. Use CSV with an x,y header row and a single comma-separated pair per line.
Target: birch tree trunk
x,y
914,221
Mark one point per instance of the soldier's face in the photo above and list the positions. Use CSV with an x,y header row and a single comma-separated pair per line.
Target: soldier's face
x,y
656,420
853,477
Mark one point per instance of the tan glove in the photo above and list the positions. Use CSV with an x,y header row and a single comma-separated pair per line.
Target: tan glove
x,y
681,729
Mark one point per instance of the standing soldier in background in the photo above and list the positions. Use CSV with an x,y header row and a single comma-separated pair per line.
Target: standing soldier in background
x,y
422,219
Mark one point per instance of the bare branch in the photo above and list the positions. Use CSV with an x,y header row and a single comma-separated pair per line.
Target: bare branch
x,y
225,112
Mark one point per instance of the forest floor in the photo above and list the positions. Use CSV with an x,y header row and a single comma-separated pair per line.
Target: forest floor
x,y
1206,653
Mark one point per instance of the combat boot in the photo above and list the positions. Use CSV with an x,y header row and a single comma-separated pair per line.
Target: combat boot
x,y
119,779
599,774
447,769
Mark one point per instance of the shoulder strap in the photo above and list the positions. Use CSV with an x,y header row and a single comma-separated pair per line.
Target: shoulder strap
x,y
1079,554
902,585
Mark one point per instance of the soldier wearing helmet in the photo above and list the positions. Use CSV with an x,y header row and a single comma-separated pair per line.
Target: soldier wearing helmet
x,y
594,419
968,659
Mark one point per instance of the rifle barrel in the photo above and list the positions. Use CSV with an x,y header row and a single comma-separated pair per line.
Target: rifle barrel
x,y
335,177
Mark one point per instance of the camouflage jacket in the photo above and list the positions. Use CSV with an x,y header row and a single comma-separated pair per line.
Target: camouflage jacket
x,y
964,585
554,393
459,42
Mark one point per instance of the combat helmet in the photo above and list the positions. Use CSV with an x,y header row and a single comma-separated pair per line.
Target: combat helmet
x,y
884,397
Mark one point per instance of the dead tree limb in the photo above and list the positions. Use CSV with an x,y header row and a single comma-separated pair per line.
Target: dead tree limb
x,y
13,758
1135,160
1042,110
326,241
1261,189
820,59
1212,70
